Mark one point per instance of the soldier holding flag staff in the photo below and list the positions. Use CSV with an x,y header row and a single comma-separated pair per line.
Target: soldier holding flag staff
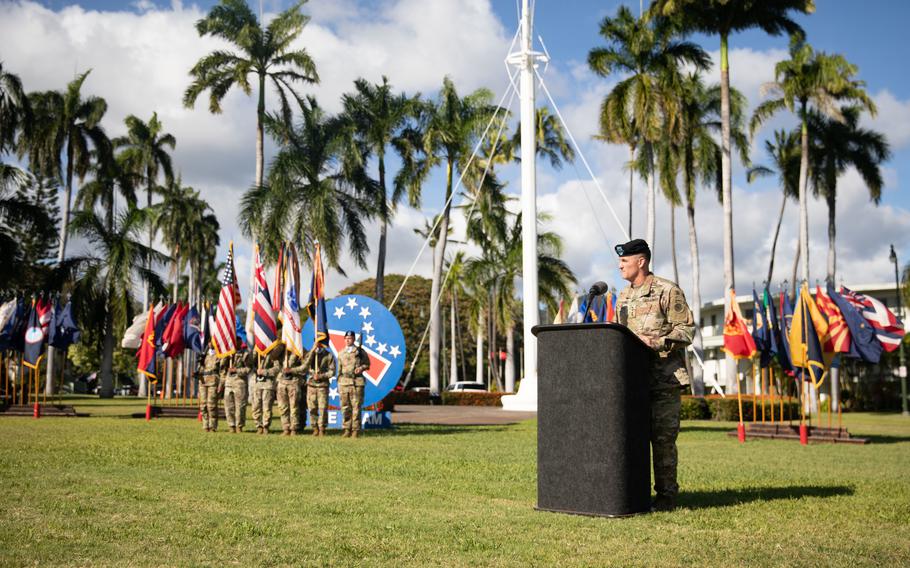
x,y
352,362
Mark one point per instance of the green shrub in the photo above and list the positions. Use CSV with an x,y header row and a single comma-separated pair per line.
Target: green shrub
x,y
472,398
408,397
727,409
694,408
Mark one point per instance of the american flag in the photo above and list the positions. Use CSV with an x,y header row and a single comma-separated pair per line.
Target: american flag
x,y
265,328
223,332
888,329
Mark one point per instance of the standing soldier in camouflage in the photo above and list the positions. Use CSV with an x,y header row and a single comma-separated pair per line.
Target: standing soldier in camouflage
x,y
289,382
317,387
656,310
207,374
264,389
237,368
352,362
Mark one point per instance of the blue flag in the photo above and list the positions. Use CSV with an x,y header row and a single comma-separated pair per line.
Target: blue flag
x,y
161,325
11,315
192,336
779,342
34,341
597,312
241,334
64,331
864,345
786,320
761,333
17,326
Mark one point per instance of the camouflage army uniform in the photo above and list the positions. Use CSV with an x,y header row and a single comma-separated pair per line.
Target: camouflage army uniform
x,y
317,388
264,389
289,381
207,374
350,386
657,312
235,389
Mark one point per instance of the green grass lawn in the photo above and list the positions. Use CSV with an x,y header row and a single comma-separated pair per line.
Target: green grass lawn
x,y
109,490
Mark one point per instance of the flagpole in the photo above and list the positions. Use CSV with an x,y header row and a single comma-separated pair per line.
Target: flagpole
x,y
803,431
771,390
762,373
754,395
740,428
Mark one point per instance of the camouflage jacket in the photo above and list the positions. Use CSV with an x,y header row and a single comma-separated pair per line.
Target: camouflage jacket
x,y
350,361
270,365
326,367
658,313
208,368
242,364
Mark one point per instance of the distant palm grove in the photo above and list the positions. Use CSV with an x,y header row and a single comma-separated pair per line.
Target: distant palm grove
x,y
141,235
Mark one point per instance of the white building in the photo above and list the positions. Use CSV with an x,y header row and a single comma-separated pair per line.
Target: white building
x,y
712,329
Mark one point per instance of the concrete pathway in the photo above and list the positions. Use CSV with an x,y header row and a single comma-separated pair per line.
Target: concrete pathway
x,y
457,415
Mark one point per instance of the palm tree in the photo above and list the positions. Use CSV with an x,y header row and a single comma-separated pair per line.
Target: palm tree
x,y
315,192
810,79
108,275
693,153
381,120
15,110
265,53
144,152
835,146
784,155
66,127
634,111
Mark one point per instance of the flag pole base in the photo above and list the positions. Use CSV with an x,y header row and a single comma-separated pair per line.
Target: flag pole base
x,y
148,412
200,417
803,434
741,433
36,412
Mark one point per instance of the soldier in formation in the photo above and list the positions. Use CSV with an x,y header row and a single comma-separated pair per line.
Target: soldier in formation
x,y
656,310
209,376
235,396
264,388
352,362
289,383
321,364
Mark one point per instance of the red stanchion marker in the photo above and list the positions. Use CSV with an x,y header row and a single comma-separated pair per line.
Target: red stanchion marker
x,y
148,412
741,433
803,434
199,419
36,413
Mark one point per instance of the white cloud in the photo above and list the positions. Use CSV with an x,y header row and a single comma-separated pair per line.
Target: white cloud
x,y
892,120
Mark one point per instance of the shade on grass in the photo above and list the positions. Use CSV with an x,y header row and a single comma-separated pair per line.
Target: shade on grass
x,y
116,491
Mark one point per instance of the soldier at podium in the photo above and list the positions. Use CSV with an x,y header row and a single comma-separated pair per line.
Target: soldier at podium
x,y
655,309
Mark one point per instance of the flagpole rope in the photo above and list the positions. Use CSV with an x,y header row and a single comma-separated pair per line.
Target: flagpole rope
x,y
509,89
581,154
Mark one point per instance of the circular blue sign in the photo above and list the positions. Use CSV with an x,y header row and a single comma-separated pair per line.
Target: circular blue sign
x,y
377,332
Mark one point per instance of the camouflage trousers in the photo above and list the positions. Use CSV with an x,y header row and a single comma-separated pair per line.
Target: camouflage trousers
x,y
317,401
289,403
208,404
351,401
665,406
263,398
235,401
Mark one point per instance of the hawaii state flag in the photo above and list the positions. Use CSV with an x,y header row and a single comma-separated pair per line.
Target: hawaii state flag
x,y
146,352
265,326
738,341
315,306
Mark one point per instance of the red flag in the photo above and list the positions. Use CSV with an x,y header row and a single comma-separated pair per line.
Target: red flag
x,y
838,332
738,341
146,351
173,343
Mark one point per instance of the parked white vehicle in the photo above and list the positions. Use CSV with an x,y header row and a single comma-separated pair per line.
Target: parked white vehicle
x,y
466,386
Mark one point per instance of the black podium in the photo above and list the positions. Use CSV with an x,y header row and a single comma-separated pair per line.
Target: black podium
x,y
593,426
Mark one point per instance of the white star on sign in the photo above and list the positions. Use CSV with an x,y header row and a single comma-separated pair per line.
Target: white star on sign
x,y
367,326
395,352
339,312
382,348
371,341
364,312
352,302
333,392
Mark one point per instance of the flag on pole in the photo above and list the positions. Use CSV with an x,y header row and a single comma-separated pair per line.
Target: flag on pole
x,y
807,335
779,339
192,331
611,306
738,341
265,328
45,309
173,341
315,306
162,321
761,332
888,329
838,331
864,345
290,324
34,340
597,311
278,284
146,354
7,323
224,332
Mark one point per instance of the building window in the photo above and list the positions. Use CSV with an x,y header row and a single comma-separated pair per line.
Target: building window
x,y
714,321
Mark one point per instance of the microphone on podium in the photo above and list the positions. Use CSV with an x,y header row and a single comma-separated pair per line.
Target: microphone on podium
x,y
597,289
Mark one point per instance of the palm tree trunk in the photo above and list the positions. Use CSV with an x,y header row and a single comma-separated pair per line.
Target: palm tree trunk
x,y
631,184
146,300
107,354
260,114
510,359
65,221
832,235
803,199
478,348
453,363
673,242
727,187
439,252
698,382
650,222
380,260
793,286
170,361
780,218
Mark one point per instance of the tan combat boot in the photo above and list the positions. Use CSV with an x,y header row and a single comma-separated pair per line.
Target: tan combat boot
x,y
355,434
346,434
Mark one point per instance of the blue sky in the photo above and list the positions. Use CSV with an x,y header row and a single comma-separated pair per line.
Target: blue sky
x,y
140,52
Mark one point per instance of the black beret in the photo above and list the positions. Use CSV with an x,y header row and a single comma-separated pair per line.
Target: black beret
x,y
635,246
349,333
